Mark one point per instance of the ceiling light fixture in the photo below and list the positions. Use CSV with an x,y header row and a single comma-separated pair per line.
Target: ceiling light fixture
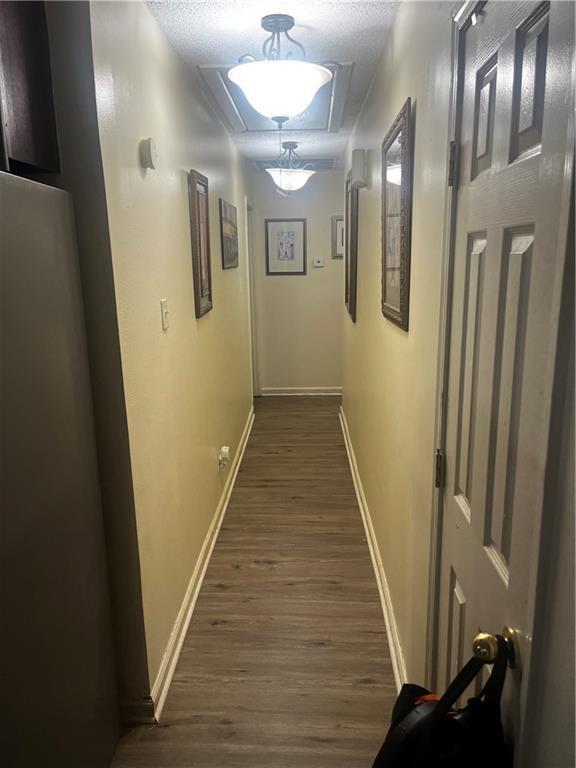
x,y
289,173
284,83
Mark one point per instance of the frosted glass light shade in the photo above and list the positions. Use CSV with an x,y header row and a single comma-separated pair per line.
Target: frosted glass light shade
x,y
290,179
280,88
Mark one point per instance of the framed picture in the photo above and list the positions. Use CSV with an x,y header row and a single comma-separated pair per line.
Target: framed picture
x,y
337,237
285,246
200,235
228,234
351,247
396,218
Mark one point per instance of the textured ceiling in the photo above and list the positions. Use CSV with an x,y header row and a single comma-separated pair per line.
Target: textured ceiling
x,y
214,32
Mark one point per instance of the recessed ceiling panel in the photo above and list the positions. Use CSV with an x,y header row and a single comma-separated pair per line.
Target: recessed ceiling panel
x,y
323,114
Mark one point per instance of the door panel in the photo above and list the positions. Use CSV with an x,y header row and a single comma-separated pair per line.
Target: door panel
x,y
58,666
511,222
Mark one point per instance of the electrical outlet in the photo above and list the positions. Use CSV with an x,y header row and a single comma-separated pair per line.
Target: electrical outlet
x,y
223,456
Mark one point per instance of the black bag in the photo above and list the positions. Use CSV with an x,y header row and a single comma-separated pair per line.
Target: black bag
x,y
427,732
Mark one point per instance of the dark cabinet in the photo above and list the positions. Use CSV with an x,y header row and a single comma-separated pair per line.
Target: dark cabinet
x,y
28,137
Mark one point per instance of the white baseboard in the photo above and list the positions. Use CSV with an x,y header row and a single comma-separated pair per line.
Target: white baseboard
x,y
398,663
267,391
172,653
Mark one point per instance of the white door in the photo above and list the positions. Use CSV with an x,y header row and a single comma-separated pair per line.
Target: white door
x,y
511,221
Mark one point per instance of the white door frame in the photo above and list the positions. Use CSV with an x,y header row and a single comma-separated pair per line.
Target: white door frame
x,y
460,20
462,14
248,214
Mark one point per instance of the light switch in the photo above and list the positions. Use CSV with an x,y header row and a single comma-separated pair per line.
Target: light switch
x,y
318,262
164,312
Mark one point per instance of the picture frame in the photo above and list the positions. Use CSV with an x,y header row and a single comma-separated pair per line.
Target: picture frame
x,y
285,246
351,247
397,218
338,239
200,239
228,234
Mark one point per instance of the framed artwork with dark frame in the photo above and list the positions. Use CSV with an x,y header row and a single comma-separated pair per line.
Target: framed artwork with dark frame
x,y
285,246
200,236
228,234
338,240
397,218
351,247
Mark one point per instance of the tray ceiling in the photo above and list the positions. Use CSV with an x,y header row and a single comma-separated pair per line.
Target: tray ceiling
x,y
211,35
324,113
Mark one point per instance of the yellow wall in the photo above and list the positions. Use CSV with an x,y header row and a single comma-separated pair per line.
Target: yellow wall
x,y
188,390
390,375
299,318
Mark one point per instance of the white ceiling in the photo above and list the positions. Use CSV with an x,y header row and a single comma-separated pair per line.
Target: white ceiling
x,y
218,32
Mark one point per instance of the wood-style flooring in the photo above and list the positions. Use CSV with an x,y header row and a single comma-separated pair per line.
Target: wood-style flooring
x,y
286,661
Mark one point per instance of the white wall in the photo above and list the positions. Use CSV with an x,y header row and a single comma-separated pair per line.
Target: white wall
x,y
188,390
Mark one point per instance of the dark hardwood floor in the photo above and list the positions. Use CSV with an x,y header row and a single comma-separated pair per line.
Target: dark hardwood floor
x,y
286,661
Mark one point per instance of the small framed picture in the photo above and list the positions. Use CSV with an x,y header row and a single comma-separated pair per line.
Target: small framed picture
x,y
200,236
285,246
337,237
228,234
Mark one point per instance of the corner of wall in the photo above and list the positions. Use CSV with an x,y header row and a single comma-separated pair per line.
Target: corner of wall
x,y
74,91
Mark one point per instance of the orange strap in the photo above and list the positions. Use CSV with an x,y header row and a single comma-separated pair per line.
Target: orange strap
x,y
427,697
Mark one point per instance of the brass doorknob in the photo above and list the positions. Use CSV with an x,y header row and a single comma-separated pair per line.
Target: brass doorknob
x,y
485,647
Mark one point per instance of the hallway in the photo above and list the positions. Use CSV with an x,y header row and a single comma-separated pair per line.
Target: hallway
x,y
286,661
287,378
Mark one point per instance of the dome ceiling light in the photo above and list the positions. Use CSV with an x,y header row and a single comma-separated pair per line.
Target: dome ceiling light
x,y
284,83
289,172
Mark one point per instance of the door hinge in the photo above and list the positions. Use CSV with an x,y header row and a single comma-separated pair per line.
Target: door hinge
x,y
451,163
439,468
